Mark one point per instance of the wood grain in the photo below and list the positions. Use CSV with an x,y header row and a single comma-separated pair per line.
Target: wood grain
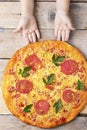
x,y
9,122
10,14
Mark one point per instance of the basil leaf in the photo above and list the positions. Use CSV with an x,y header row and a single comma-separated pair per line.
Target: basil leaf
x,y
20,71
60,58
53,57
27,109
57,60
44,80
25,74
27,68
50,79
57,64
26,71
58,105
80,85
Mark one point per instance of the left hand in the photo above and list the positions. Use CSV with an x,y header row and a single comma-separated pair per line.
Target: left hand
x,y
63,26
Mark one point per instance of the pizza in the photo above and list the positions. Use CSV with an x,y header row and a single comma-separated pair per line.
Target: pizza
x,y
45,83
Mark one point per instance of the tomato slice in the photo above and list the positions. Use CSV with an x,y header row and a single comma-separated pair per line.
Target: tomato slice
x,y
24,86
50,86
34,62
11,89
78,100
41,107
63,119
68,96
11,71
69,66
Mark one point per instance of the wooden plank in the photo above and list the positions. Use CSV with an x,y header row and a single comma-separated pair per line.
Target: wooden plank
x,y
3,108
9,122
10,42
10,14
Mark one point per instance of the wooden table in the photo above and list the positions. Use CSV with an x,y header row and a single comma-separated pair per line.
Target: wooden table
x,y
10,42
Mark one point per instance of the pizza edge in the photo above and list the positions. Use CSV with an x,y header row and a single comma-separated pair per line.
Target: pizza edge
x,y
14,58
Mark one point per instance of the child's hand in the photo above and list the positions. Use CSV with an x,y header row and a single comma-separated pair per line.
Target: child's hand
x,y
63,26
28,28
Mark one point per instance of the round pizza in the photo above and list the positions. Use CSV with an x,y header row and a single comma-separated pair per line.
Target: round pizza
x,y
45,83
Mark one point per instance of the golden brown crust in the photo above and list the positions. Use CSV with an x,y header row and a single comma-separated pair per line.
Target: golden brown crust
x,y
51,47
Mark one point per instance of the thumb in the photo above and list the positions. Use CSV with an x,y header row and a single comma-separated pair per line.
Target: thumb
x,y
71,27
18,29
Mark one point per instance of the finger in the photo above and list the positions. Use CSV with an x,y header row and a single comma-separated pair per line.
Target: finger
x,y
25,35
30,37
59,35
67,35
18,29
63,35
37,33
56,31
33,36
71,27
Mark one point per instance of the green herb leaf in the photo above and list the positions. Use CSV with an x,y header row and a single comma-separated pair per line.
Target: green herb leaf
x,y
27,68
57,64
58,105
27,109
20,71
60,58
80,85
53,57
44,80
49,79
57,60
25,72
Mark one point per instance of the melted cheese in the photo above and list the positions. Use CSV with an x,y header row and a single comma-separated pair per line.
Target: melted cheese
x,y
39,88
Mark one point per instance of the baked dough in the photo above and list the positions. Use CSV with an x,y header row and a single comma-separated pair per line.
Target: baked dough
x,y
45,83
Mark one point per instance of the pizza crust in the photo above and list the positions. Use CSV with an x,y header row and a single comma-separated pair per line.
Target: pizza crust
x,y
50,47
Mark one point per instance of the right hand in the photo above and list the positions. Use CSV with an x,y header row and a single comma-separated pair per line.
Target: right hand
x,y
28,28
63,25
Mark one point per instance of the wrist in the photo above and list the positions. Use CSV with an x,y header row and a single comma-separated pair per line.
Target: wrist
x,y
27,8
27,15
61,12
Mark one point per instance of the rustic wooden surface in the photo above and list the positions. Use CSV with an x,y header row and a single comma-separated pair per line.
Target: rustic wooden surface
x,y
10,42
10,14
8,122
